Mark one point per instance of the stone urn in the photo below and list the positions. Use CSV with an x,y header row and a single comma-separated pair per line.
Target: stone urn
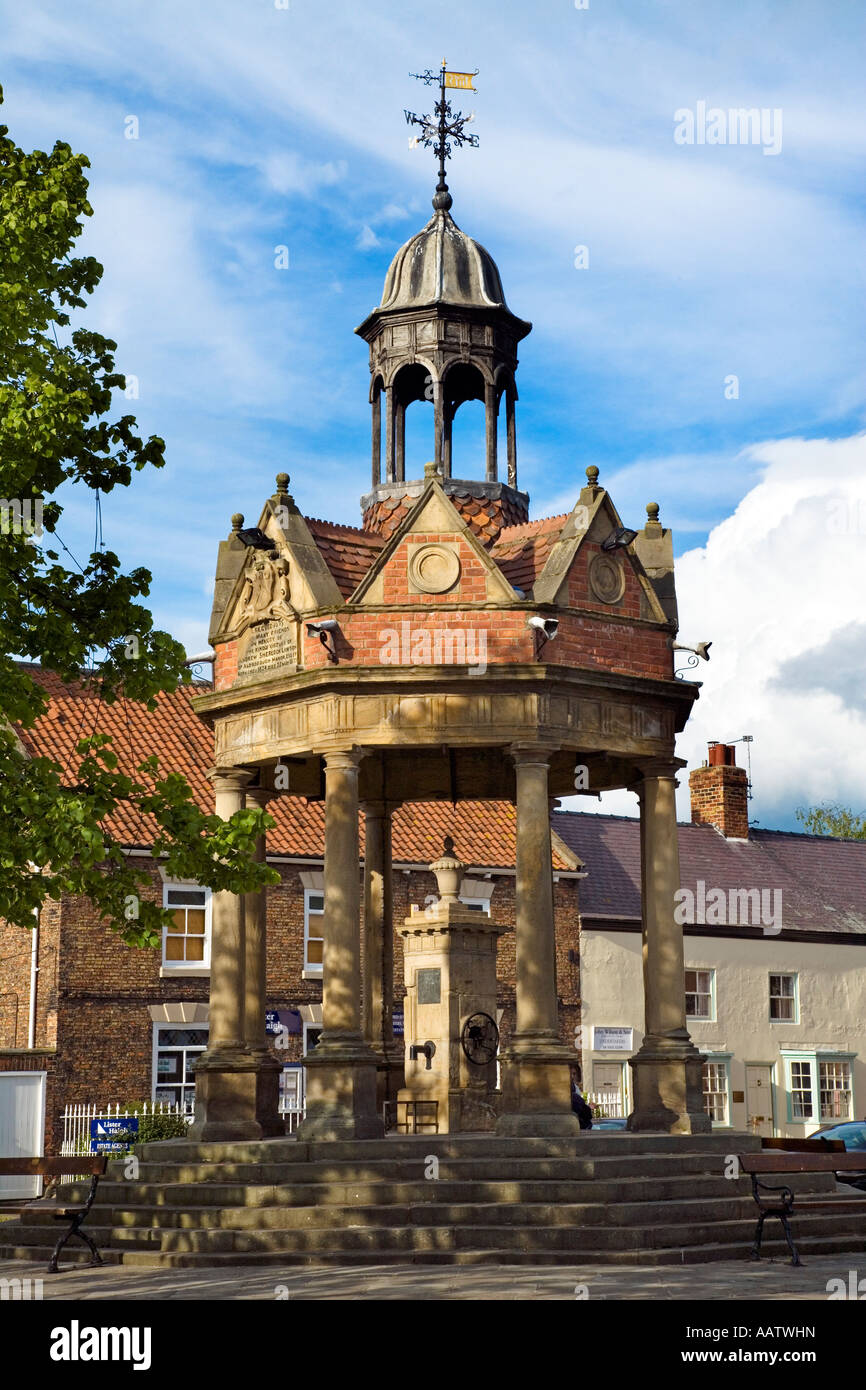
x,y
449,873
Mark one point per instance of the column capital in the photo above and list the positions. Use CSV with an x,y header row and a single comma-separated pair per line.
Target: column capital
x,y
344,759
656,768
259,796
377,807
230,779
525,754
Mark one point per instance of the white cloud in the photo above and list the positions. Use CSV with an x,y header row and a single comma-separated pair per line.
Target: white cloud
x,y
367,239
776,583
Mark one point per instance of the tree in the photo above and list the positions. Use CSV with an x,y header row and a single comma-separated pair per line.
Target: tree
x,y
56,430
832,819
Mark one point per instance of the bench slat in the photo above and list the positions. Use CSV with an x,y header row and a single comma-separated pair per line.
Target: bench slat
x,y
778,1162
53,1167
836,1146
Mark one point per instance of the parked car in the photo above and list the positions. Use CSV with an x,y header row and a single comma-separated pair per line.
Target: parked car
x,y
853,1135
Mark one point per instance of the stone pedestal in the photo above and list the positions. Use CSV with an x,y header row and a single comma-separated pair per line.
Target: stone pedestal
x,y
536,1077
667,1068
449,964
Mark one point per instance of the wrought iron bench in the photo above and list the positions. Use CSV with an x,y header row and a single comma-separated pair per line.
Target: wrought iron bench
x,y
55,1169
794,1156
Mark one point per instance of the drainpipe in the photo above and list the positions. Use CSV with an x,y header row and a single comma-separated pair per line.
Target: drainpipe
x,y
34,971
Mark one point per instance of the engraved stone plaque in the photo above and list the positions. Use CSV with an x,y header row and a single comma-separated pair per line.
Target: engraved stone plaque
x,y
429,986
271,646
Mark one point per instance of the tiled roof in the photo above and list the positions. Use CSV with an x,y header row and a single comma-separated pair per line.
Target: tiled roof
x,y
347,551
483,831
521,551
822,880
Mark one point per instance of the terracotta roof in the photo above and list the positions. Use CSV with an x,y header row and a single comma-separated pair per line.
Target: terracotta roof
x,y
347,551
521,551
483,831
822,880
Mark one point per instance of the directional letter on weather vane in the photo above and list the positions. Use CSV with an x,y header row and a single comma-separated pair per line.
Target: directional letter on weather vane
x,y
445,126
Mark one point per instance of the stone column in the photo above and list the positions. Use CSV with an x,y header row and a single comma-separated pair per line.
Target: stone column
x,y
447,433
225,1075
341,1072
535,1073
512,438
255,960
378,993
377,438
438,425
389,435
490,423
668,1091
400,442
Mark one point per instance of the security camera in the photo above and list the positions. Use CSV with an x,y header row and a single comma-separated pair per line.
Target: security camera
x,y
549,626
325,630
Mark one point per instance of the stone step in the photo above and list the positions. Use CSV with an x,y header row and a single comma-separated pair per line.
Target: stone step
x,y
590,1144
588,1239
645,1190
632,1216
455,1169
151,1259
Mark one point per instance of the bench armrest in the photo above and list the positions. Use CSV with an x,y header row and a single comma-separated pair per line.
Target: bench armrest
x,y
785,1192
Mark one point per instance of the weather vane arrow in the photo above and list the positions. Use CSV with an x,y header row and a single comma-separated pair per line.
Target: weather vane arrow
x,y
445,127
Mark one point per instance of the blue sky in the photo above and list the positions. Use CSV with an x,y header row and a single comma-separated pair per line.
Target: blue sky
x,y
261,126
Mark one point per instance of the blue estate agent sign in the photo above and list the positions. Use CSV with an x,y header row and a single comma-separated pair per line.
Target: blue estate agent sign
x,y
282,1020
113,1136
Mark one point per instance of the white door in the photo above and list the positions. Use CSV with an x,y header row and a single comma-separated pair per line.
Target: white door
x,y
759,1100
22,1127
607,1084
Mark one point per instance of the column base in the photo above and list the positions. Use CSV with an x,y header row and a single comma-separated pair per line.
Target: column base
x,y
390,1073
668,1088
268,1073
536,1089
341,1094
227,1096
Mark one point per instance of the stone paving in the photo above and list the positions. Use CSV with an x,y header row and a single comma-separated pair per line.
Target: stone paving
x,y
727,1281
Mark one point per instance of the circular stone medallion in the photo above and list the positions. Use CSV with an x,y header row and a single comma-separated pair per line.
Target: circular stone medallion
x,y
433,569
606,579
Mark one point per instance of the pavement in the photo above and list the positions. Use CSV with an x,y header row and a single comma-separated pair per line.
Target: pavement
x,y
729,1280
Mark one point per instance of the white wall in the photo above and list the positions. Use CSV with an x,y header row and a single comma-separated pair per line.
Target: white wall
x,y
832,996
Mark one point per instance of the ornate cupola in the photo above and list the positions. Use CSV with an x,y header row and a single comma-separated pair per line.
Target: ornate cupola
x,y
442,334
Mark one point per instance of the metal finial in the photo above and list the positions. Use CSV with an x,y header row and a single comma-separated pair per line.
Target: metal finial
x,y
444,126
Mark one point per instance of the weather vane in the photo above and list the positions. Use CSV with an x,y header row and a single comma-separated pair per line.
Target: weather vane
x,y
445,126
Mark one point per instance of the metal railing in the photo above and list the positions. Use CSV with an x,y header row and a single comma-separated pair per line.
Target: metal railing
x,y
77,1118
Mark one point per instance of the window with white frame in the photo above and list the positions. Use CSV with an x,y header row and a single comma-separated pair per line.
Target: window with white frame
x,y
186,940
834,1090
314,943
801,1090
174,1051
700,994
784,1003
716,1091
819,1088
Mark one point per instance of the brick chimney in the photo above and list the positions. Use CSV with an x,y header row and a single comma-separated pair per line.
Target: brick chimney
x,y
720,793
